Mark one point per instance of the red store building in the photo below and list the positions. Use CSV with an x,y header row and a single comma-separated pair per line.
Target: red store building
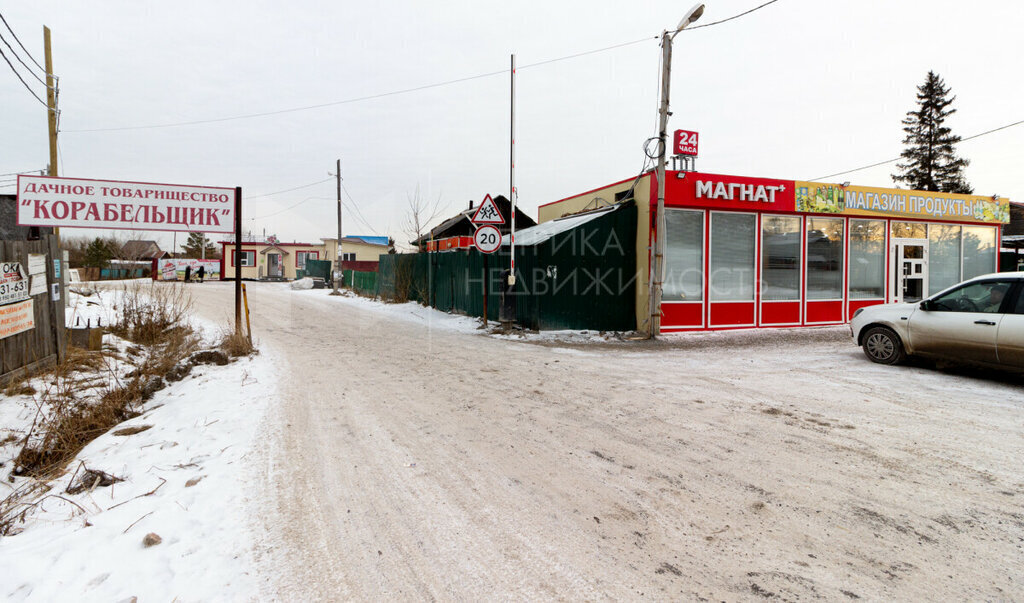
x,y
744,252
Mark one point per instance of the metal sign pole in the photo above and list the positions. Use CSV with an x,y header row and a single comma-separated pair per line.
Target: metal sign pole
x,y
238,259
512,179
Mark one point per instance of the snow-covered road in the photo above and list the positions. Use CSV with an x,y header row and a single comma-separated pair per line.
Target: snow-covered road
x,y
412,458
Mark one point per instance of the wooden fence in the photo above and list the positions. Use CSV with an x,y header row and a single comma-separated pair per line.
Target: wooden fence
x,y
42,346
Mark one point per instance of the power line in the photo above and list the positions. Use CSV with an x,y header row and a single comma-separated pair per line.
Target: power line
x,y
732,17
15,55
288,190
402,91
294,109
1016,123
358,213
365,98
280,211
30,91
18,40
19,173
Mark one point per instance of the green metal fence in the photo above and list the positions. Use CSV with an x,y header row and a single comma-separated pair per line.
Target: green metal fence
x,y
583,278
363,283
318,269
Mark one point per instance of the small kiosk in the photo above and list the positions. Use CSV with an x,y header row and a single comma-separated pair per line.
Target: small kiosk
x,y
745,252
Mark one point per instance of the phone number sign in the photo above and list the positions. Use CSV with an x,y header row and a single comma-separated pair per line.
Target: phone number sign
x,y
13,284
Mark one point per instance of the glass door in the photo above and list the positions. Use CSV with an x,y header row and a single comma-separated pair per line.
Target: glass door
x,y
909,270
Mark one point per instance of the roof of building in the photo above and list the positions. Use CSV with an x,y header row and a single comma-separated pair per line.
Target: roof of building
x,y
360,239
544,231
461,223
142,250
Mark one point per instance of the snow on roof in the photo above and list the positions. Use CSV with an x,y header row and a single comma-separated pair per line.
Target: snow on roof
x,y
544,231
370,240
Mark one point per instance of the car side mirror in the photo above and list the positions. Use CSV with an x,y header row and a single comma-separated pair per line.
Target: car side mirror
x,y
927,305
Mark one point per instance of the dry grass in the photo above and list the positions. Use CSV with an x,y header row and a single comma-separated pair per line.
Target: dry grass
x,y
235,344
68,417
148,312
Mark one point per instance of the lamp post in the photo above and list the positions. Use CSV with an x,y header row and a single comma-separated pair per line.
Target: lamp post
x,y
658,267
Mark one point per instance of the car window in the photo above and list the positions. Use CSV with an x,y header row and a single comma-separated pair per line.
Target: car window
x,y
987,297
1018,306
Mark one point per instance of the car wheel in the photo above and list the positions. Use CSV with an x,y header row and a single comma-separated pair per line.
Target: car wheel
x,y
883,346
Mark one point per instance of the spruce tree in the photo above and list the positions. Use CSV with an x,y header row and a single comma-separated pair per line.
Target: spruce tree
x,y
194,246
99,253
931,164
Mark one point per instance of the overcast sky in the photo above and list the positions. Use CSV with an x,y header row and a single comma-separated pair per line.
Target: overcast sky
x,y
799,89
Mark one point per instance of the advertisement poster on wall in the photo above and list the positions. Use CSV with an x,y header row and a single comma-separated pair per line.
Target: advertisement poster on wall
x,y
174,269
16,318
13,283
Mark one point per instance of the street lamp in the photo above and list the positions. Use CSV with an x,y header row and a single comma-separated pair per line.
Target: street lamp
x,y
658,268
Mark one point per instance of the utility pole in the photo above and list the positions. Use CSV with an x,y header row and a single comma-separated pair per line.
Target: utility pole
x,y
338,272
51,101
658,265
51,110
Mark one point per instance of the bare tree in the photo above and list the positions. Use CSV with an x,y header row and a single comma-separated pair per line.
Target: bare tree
x,y
421,214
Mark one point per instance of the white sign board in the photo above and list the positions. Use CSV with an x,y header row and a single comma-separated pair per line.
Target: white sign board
x,y
38,286
36,263
13,284
487,213
81,203
487,239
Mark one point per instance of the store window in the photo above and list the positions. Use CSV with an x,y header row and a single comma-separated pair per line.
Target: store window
x,y
780,258
979,251
684,255
302,256
867,259
909,230
248,259
824,258
943,257
733,245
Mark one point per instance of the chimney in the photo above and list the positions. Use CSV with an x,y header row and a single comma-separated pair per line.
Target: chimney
x,y
470,204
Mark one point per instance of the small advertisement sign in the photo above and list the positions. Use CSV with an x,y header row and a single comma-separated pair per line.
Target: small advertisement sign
x,y
83,203
38,284
36,263
13,283
16,318
174,269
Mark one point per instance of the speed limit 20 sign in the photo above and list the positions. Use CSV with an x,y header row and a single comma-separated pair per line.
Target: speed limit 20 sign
x,y
487,239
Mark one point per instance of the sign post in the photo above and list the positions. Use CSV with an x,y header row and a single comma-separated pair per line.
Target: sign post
x,y
487,237
238,260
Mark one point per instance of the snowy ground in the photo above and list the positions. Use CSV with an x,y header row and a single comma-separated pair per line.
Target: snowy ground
x,y
378,451
187,478
417,458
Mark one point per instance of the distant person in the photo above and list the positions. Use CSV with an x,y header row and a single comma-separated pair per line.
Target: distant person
x,y
188,273
201,273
